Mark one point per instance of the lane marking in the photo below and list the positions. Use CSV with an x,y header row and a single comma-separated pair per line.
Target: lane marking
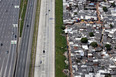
x,y
16,6
15,25
13,41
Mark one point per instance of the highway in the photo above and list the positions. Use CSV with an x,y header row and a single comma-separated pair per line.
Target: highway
x,y
45,52
24,53
9,14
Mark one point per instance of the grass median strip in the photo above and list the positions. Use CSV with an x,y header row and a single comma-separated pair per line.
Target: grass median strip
x,y
60,41
33,52
23,7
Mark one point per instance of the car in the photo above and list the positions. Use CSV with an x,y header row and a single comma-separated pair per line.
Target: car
x,y
27,25
43,51
48,10
1,44
40,62
7,52
15,36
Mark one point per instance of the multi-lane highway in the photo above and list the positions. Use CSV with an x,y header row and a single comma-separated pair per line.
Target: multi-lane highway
x,y
45,53
24,53
9,14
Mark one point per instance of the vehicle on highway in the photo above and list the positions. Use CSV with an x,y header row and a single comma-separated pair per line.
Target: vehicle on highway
x,y
1,44
40,62
43,51
27,25
7,52
15,36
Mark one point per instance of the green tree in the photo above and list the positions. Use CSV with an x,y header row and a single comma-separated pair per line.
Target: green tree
x,y
115,47
108,75
105,9
94,44
84,40
113,4
62,27
93,0
75,13
108,46
111,26
91,34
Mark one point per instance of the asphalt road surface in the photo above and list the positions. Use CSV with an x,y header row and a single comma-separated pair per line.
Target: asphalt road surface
x,y
9,14
24,53
45,54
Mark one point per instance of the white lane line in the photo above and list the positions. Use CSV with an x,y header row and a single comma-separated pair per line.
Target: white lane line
x,y
11,59
16,6
2,68
15,25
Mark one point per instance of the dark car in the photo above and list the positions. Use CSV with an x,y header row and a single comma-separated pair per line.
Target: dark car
x,y
43,51
40,62
27,25
1,44
15,36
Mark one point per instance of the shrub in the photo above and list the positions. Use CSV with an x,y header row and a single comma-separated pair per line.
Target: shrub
x,y
75,13
108,75
113,4
111,26
84,40
108,46
105,9
94,44
115,47
62,27
91,34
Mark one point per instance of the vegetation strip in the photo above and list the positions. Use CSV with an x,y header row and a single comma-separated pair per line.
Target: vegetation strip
x,y
33,52
60,41
23,6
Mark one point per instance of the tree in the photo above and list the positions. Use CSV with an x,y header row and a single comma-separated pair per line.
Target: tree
x,y
62,27
84,40
111,26
108,46
113,4
94,44
115,47
105,9
76,5
91,34
75,13
93,0
108,75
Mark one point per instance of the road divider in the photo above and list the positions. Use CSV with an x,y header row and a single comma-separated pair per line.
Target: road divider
x,y
33,52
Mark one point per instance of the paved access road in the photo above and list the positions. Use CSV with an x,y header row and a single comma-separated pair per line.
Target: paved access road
x,y
45,61
9,14
24,53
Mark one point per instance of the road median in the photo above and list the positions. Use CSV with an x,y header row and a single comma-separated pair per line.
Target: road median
x,y
34,44
23,7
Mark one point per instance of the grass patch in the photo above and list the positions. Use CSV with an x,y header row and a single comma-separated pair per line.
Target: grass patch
x,y
60,41
33,52
23,7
